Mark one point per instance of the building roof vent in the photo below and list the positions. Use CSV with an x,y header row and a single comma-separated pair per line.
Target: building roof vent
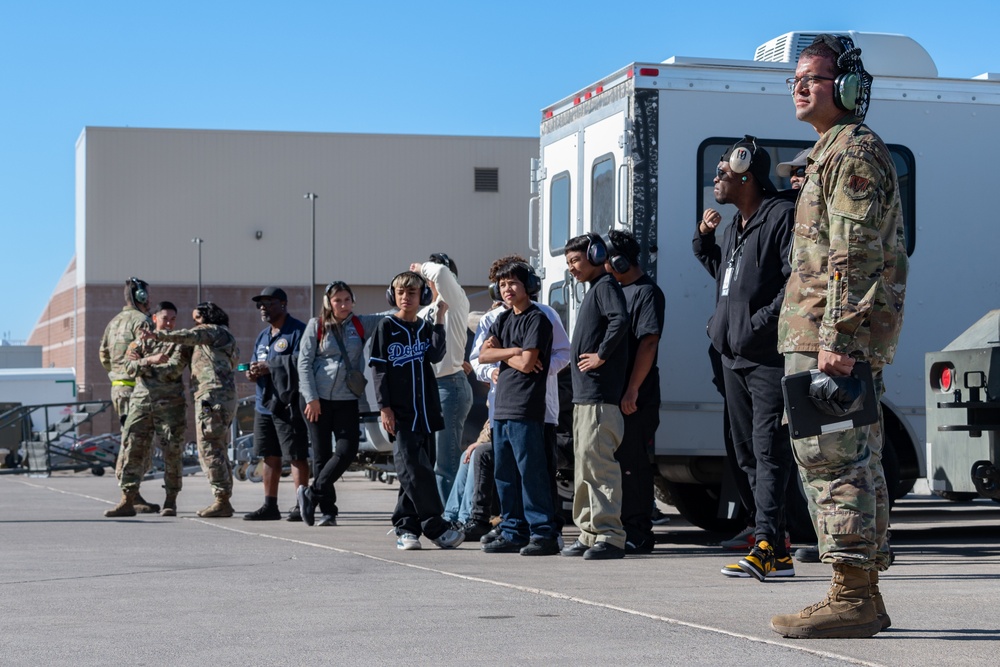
x,y
884,54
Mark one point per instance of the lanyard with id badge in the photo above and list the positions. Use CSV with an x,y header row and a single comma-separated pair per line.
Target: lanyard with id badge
x,y
733,266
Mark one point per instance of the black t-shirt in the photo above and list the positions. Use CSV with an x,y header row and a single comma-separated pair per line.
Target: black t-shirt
x,y
522,395
646,304
601,327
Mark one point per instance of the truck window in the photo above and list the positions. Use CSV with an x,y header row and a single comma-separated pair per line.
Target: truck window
x,y
602,194
711,151
559,213
557,299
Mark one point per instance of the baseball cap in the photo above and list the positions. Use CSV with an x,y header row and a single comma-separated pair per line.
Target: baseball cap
x,y
272,293
784,169
746,156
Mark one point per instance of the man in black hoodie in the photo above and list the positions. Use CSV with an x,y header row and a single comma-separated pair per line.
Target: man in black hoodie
x,y
751,268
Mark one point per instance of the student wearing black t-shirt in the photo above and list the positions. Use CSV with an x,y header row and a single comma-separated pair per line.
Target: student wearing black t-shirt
x,y
521,341
640,403
598,357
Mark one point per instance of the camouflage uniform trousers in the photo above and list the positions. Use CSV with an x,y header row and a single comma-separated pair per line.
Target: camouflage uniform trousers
x,y
845,484
215,416
146,418
121,396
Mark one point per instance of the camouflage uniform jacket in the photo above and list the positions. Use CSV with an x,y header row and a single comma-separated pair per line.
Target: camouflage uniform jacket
x,y
848,259
213,359
120,332
158,381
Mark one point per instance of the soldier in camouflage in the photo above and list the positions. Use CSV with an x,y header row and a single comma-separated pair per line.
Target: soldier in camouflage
x,y
157,406
843,302
213,384
121,331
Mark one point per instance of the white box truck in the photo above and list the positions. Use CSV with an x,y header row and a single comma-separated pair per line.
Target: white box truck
x,y
637,150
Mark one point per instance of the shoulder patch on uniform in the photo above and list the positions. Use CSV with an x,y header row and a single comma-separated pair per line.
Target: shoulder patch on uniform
x,y
858,187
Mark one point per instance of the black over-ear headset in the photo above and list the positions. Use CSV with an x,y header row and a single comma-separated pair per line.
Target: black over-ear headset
x,y
532,287
618,261
597,251
139,292
426,296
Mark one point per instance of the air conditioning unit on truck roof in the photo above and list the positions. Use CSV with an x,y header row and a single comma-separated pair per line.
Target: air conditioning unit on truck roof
x,y
637,150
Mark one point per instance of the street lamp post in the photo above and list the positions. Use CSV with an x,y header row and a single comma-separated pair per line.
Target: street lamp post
x,y
198,241
312,197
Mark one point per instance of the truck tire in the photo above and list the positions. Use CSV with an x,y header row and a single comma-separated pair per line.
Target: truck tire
x,y
699,504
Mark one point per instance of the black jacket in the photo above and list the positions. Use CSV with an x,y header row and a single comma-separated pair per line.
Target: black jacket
x,y
744,327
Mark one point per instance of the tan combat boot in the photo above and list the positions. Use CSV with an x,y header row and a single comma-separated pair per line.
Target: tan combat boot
x,y
125,506
847,611
144,507
219,509
883,615
169,505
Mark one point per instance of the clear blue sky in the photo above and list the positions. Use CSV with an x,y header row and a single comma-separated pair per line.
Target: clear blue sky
x,y
471,68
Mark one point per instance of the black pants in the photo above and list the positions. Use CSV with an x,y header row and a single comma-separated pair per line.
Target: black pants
x,y
418,505
484,499
633,456
338,422
762,445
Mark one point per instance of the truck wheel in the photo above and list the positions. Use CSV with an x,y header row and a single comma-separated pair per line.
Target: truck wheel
x,y
699,504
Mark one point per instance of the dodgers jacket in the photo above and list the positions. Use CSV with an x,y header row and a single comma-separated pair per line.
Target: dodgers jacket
x,y
744,327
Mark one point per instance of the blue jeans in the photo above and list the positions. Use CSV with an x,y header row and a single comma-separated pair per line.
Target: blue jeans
x,y
459,505
522,479
456,400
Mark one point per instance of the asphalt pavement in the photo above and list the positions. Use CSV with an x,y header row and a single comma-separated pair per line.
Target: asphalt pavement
x,y
80,589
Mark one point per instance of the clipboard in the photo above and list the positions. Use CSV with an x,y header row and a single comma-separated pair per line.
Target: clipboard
x,y
806,420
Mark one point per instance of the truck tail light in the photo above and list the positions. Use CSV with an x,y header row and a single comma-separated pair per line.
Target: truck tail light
x,y
946,378
943,376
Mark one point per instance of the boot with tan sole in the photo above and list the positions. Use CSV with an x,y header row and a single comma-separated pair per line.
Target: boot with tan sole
x,y
847,612
219,509
125,506
883,615
169,505
142,506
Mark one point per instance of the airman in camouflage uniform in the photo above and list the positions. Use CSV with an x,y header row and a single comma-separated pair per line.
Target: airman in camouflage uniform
x,y
213,384
157,406
121,331
843,302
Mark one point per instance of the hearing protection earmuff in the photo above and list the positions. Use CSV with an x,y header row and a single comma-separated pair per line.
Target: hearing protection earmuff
x,y
426,296
619,262
139,292
597,251
851,88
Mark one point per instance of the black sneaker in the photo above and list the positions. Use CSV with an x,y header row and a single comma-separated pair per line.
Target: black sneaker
x,y
475,529
263,513
539,546
307,505
494,534
603,551
807,555
294,514
502,545
639,547
578,548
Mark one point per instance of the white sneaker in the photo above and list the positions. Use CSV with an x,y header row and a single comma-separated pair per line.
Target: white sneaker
x,y
449,539
326,520
407,542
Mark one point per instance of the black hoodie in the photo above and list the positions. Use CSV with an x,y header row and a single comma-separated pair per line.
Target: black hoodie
x,y
744,327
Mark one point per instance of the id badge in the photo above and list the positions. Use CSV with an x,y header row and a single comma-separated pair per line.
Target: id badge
x,y
725,281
